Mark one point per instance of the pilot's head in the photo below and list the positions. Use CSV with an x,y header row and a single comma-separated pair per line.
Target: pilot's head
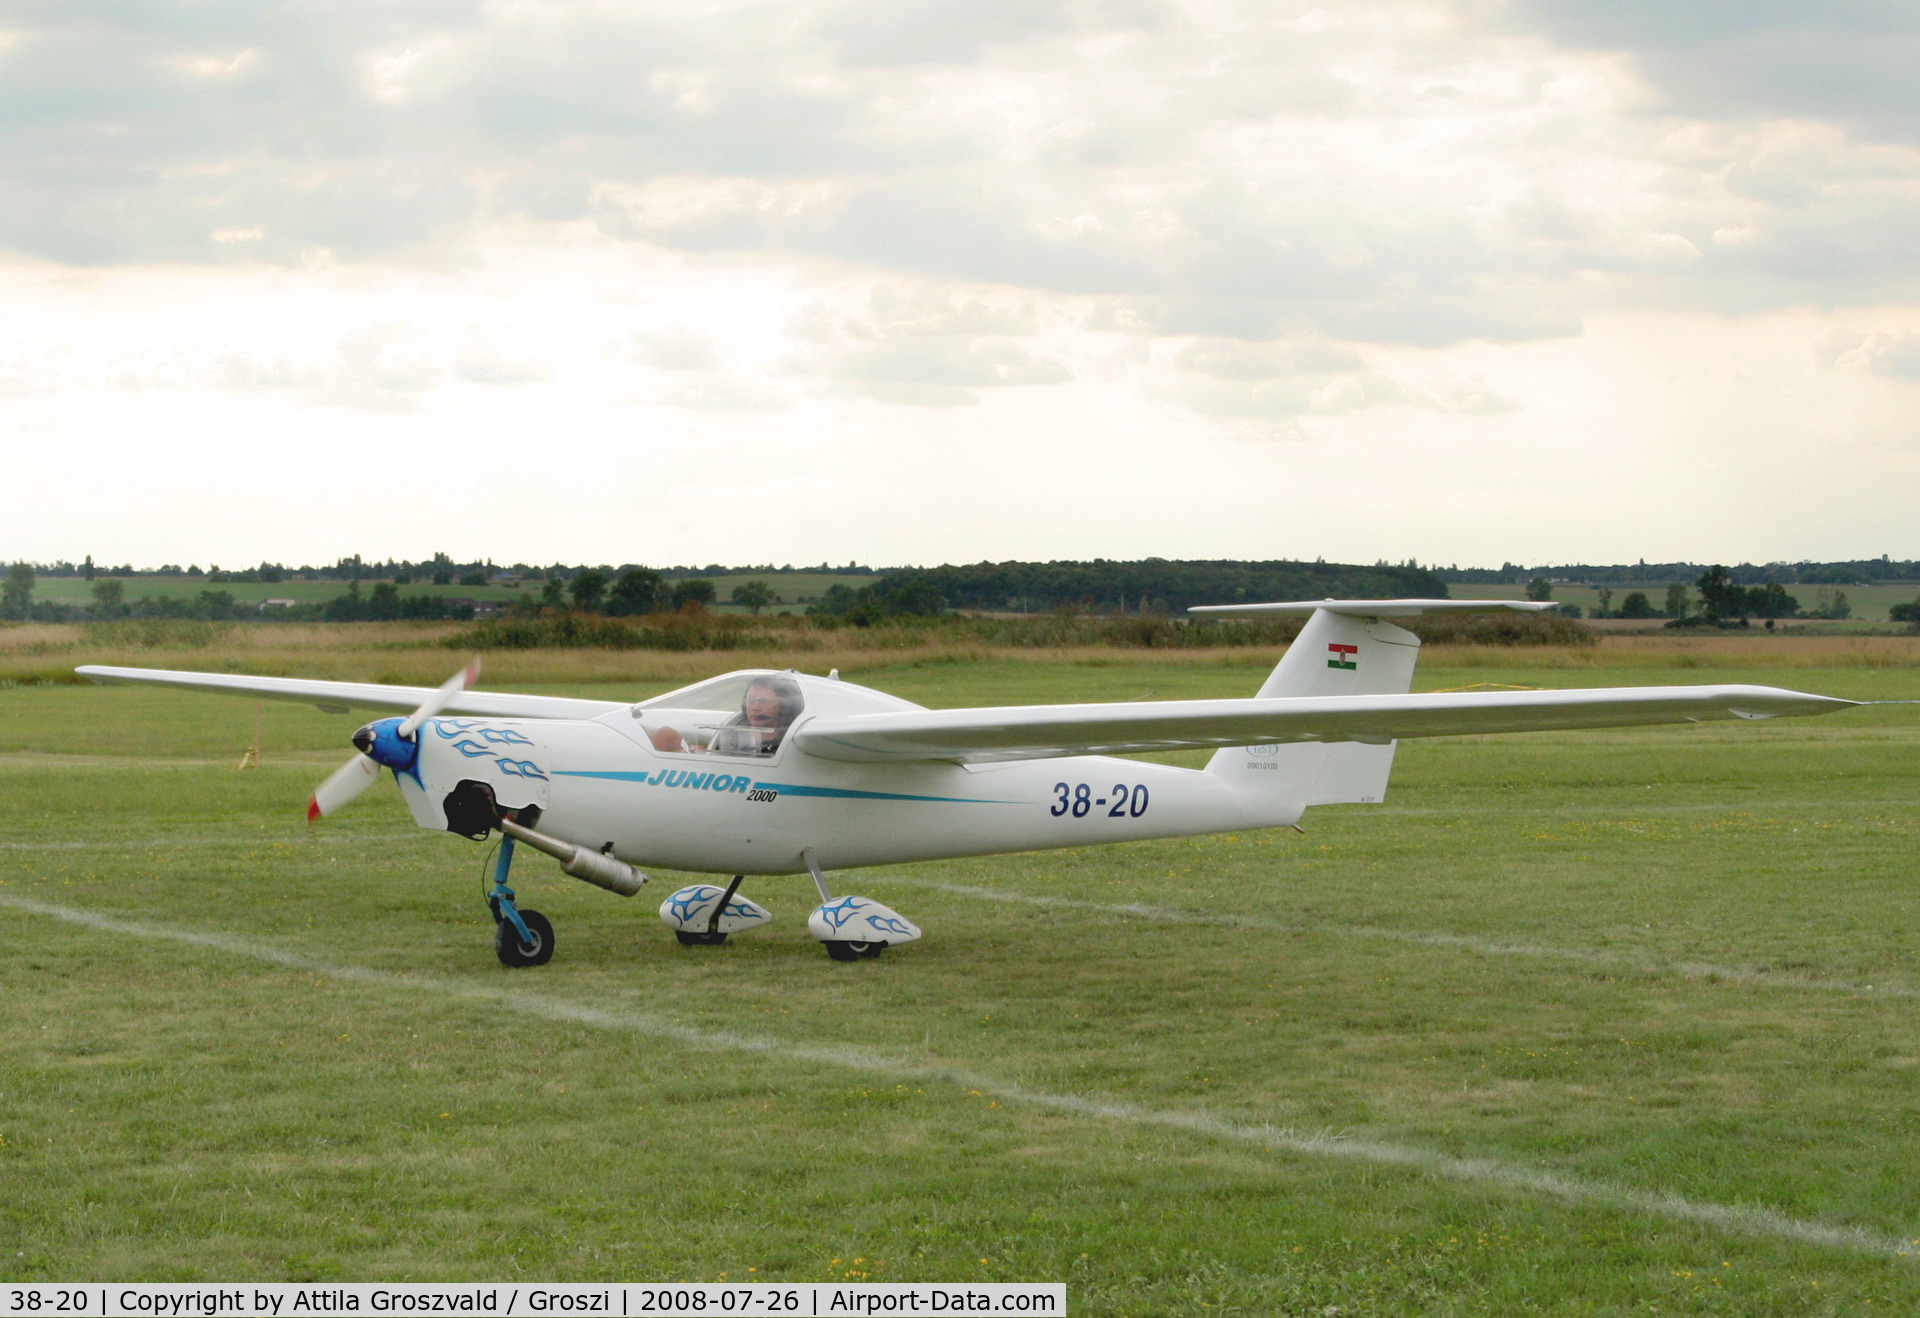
x,y
770,702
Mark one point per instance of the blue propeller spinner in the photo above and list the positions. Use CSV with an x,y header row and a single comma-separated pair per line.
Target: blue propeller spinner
x,y
381,742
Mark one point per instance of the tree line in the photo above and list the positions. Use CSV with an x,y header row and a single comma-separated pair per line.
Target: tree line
x,y
1147,586
440,570
1722,602
1846,572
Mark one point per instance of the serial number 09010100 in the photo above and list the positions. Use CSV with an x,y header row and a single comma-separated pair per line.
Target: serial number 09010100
x,y
757,1299
1124,802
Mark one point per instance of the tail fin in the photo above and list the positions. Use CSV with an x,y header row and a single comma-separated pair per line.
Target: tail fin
x,y
1347,648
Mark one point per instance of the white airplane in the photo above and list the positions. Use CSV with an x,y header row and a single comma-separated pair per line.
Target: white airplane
x,y
776,773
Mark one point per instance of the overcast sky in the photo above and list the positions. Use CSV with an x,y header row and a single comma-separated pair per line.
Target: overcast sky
x,y
914,281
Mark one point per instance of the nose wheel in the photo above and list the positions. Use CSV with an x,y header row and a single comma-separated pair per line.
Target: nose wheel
x,y
527,942
520,938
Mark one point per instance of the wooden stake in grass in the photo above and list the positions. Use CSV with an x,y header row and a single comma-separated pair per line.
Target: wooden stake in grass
x,y
251,760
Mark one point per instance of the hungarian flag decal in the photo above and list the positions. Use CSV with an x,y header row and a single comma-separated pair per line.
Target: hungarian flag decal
x,y
1342,656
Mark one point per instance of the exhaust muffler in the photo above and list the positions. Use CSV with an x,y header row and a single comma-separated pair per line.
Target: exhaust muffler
x,y
589,866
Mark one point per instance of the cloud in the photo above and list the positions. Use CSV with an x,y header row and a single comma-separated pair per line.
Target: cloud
x,y
384,366
1851,60
936,31
1894,354
720,393
246,370
1410,175
1268,384
37,363
1231,359
954,363
922,347
483,357
675,347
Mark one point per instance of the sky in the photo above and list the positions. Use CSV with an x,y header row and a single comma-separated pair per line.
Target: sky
x,y
923,281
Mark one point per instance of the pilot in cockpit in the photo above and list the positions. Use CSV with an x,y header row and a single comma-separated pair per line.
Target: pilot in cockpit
x,y
768,708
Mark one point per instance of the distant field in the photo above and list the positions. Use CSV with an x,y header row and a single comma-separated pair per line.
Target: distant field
x,y
791,588
794,591
1870,603
1602,1023
77,590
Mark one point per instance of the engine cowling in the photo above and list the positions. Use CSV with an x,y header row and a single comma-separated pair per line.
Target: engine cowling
x,y
503,758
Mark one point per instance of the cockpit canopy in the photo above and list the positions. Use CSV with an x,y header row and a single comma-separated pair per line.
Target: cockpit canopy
x,y
748,713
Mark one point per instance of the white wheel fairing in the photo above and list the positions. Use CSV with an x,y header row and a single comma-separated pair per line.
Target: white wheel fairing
x,y
852,919
691,909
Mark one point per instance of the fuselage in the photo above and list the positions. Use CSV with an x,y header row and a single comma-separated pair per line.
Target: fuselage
x,y
605,781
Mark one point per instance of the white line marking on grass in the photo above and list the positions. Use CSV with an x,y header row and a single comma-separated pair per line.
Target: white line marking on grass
x,y
1699,970
149,844
1702,970
1733,1219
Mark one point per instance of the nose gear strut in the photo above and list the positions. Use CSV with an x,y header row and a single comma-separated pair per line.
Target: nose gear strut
x,y
525,938
520,938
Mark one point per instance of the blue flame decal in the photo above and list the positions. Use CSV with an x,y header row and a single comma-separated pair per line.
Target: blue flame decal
x,y
688,900
508,736
837,913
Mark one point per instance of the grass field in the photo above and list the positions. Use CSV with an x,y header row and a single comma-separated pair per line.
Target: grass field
x,y
1600,1023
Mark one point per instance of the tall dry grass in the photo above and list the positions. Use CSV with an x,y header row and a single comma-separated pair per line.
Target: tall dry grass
x,y
415,654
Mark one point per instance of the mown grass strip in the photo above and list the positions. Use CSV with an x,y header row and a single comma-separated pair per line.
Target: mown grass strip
x,y
1487,947
1734,1219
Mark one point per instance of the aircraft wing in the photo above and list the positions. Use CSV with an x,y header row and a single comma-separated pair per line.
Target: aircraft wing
x,y
1028,732
338,697
1409,608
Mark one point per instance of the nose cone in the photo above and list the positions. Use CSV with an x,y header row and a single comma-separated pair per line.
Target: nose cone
x,y
381,742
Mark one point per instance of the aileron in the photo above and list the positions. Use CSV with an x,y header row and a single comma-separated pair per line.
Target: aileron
x,y
1040,731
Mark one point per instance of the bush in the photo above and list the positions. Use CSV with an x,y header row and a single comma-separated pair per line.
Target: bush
x,y
157,634
636,592
386,603
672,631
753,596
588,589
902,595
692,590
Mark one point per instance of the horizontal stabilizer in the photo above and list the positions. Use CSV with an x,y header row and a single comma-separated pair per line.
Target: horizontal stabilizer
x,y
338,697
1045,731
1369,608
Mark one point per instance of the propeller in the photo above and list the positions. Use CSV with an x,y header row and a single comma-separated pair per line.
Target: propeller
x,y
358,773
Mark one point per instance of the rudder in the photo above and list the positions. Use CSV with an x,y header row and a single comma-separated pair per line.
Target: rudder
x,y
1336,654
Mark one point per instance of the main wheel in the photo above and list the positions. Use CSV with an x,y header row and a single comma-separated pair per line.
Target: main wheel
x,y
699,938
842,950
512,952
